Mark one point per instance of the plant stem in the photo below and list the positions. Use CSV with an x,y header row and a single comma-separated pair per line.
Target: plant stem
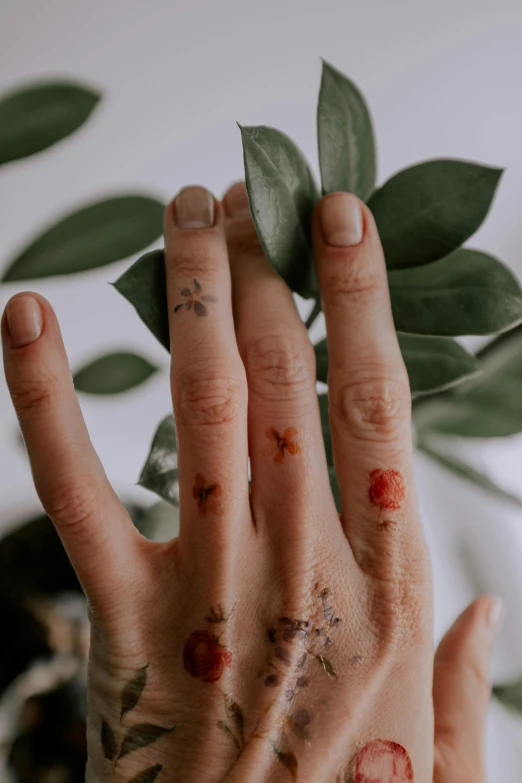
x,y
316,309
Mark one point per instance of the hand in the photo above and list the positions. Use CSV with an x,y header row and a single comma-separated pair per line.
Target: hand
x,y
272,640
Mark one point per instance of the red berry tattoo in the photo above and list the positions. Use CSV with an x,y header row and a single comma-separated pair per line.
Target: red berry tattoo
x,y
387,488
204,657
382,761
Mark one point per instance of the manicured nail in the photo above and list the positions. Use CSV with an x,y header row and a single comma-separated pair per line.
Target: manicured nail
x,y
24,319
495,613
195,208
237,200
341,220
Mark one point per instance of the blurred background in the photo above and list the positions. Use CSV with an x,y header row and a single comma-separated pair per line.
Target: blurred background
x,y
442,80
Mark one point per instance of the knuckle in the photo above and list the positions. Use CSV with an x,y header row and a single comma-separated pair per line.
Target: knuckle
x,y
357,280
208,397
74,505
399,617
36,394
280,367
378,408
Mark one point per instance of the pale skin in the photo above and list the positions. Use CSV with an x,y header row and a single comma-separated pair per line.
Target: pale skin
x,y
272,640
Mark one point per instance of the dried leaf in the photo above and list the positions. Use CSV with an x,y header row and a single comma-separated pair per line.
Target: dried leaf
x,y
147,775
131,693
289,761
327,666
140,736
235,713
108,741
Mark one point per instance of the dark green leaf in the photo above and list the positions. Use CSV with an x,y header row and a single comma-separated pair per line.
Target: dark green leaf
x,y
37,116
433,363
160,472
427,211
334,486
325,424
159,522
132,691
487,406
148,775
510,695
282,195
108,741
113,373
468,292
466,472
144,286
93,236
140,736
345,135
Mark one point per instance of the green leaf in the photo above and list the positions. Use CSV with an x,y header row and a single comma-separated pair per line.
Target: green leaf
x,y
510,695
487,406
144,286
466,472
113,373
131,693
425,212
35,117
282,195
108,741
467,292
433,363
160,472
141,736
148,775
93,236
347,156
159,522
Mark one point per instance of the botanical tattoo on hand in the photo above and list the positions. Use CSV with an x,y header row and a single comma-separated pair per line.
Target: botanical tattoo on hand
x,y
207,495
387,489
136,737
281,444
381,761
204,657
234,727
194,299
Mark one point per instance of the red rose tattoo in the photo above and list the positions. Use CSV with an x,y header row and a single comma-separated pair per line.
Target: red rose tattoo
x,y
387,489
204,657
382,761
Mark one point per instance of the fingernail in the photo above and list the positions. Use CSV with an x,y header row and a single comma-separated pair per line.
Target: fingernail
x,y
237,200
24,320
495,613
194,208
341,220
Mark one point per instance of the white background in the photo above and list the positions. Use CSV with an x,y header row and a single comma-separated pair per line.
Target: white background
x,y
442,79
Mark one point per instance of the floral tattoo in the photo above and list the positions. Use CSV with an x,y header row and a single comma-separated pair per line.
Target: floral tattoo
x,y
207,495
281,444
387,489
117,742
195,299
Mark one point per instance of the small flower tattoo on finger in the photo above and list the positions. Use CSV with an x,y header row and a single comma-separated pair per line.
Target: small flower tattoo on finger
x,y
207,495
387,489
195,299
280,444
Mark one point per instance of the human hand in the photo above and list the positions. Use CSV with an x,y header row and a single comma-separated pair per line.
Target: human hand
x,y
273,639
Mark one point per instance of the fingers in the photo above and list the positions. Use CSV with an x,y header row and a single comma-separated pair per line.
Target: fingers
x,y
207,376
369,396
287,456
95,529
461,692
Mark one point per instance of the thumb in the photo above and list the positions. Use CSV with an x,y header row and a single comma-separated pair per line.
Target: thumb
x,y
461,692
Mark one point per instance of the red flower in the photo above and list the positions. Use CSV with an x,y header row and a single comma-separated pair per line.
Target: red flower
x,y
205,495
382,761
204,658
281,443
387,488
